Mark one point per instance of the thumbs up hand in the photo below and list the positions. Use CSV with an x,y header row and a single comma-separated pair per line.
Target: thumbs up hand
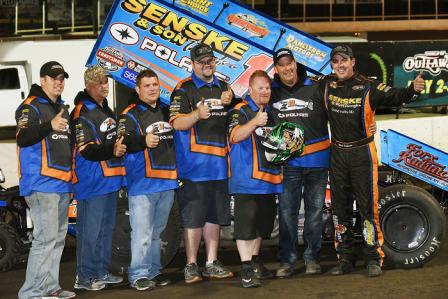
x,y
152,140
119,147
419,82
59,123
261,118
203,112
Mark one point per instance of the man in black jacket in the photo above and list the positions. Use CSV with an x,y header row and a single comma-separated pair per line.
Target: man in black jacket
x,y
351,100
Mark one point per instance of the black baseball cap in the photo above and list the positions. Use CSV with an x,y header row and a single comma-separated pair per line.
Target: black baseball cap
x,y
200,51
281,53
343,50
52,69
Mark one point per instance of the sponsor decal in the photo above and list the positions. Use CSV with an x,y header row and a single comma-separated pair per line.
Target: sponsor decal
x,y
108,124
340,228
263,132
200,6
23,119
59,136
249,24
333,84
422,161
123,33
129,75
109,58
159,127
79,133
368,232
292,104
212,104
432,61
305,49
345,102
358,87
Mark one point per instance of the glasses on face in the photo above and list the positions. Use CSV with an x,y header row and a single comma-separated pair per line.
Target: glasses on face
x,y
203,63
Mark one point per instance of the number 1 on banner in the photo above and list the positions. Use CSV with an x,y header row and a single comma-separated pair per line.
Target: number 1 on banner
x,y
257,62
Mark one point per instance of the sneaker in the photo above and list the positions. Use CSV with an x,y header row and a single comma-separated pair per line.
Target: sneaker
x,y
89,285
110,279
343,267
191,273
161,280
60,294
374,270
261,271
217,270
285,271
313,267
249,279
143,284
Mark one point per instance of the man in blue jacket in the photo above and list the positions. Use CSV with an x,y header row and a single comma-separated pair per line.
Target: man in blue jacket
x,y
97,178
45,172
151,178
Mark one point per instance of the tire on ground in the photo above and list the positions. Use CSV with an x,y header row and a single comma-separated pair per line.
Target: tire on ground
x,y
413,225
9,246
121,241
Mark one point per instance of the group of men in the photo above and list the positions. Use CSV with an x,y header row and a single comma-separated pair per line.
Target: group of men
x,y
212,142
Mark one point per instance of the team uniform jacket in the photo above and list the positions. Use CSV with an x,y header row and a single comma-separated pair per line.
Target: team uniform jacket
x,y
201,151
44,154
250,172
96,171
298,105
148,170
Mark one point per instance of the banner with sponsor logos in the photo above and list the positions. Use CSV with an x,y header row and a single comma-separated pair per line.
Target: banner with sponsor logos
x,y
157,35
415,158
398,63
262,30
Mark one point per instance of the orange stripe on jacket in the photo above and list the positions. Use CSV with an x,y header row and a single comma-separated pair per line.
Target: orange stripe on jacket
x,y
112,171
205,149
376,217
260,175
77,110
369,115
158,173
126,110
316,147
46,170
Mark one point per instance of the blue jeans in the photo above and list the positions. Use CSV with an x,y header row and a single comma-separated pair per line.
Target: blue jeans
x,y
49,215
148,215
94,228
311,184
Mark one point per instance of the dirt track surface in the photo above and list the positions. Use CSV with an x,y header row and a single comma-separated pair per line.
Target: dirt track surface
x,y
427,282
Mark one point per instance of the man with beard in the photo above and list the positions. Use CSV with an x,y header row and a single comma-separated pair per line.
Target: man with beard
x,y
198,114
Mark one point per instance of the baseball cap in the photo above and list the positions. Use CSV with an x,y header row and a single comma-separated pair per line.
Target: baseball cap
x,y
52,69
343,50
95,73
281,53
201,51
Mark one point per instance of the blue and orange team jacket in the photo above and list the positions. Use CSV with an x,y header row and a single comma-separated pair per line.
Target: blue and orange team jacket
x,y
94,124
148,170
201,151
250,172
46,165
300,105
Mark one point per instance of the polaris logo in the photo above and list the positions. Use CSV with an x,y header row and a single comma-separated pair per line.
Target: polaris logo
x,y
58,136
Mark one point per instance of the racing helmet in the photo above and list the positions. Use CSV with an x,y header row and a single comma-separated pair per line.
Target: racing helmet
x,y
285,141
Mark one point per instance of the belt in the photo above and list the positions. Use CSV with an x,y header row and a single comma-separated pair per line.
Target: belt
x,y
352,144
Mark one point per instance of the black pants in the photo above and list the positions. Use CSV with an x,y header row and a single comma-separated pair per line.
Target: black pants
x,y
354,176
